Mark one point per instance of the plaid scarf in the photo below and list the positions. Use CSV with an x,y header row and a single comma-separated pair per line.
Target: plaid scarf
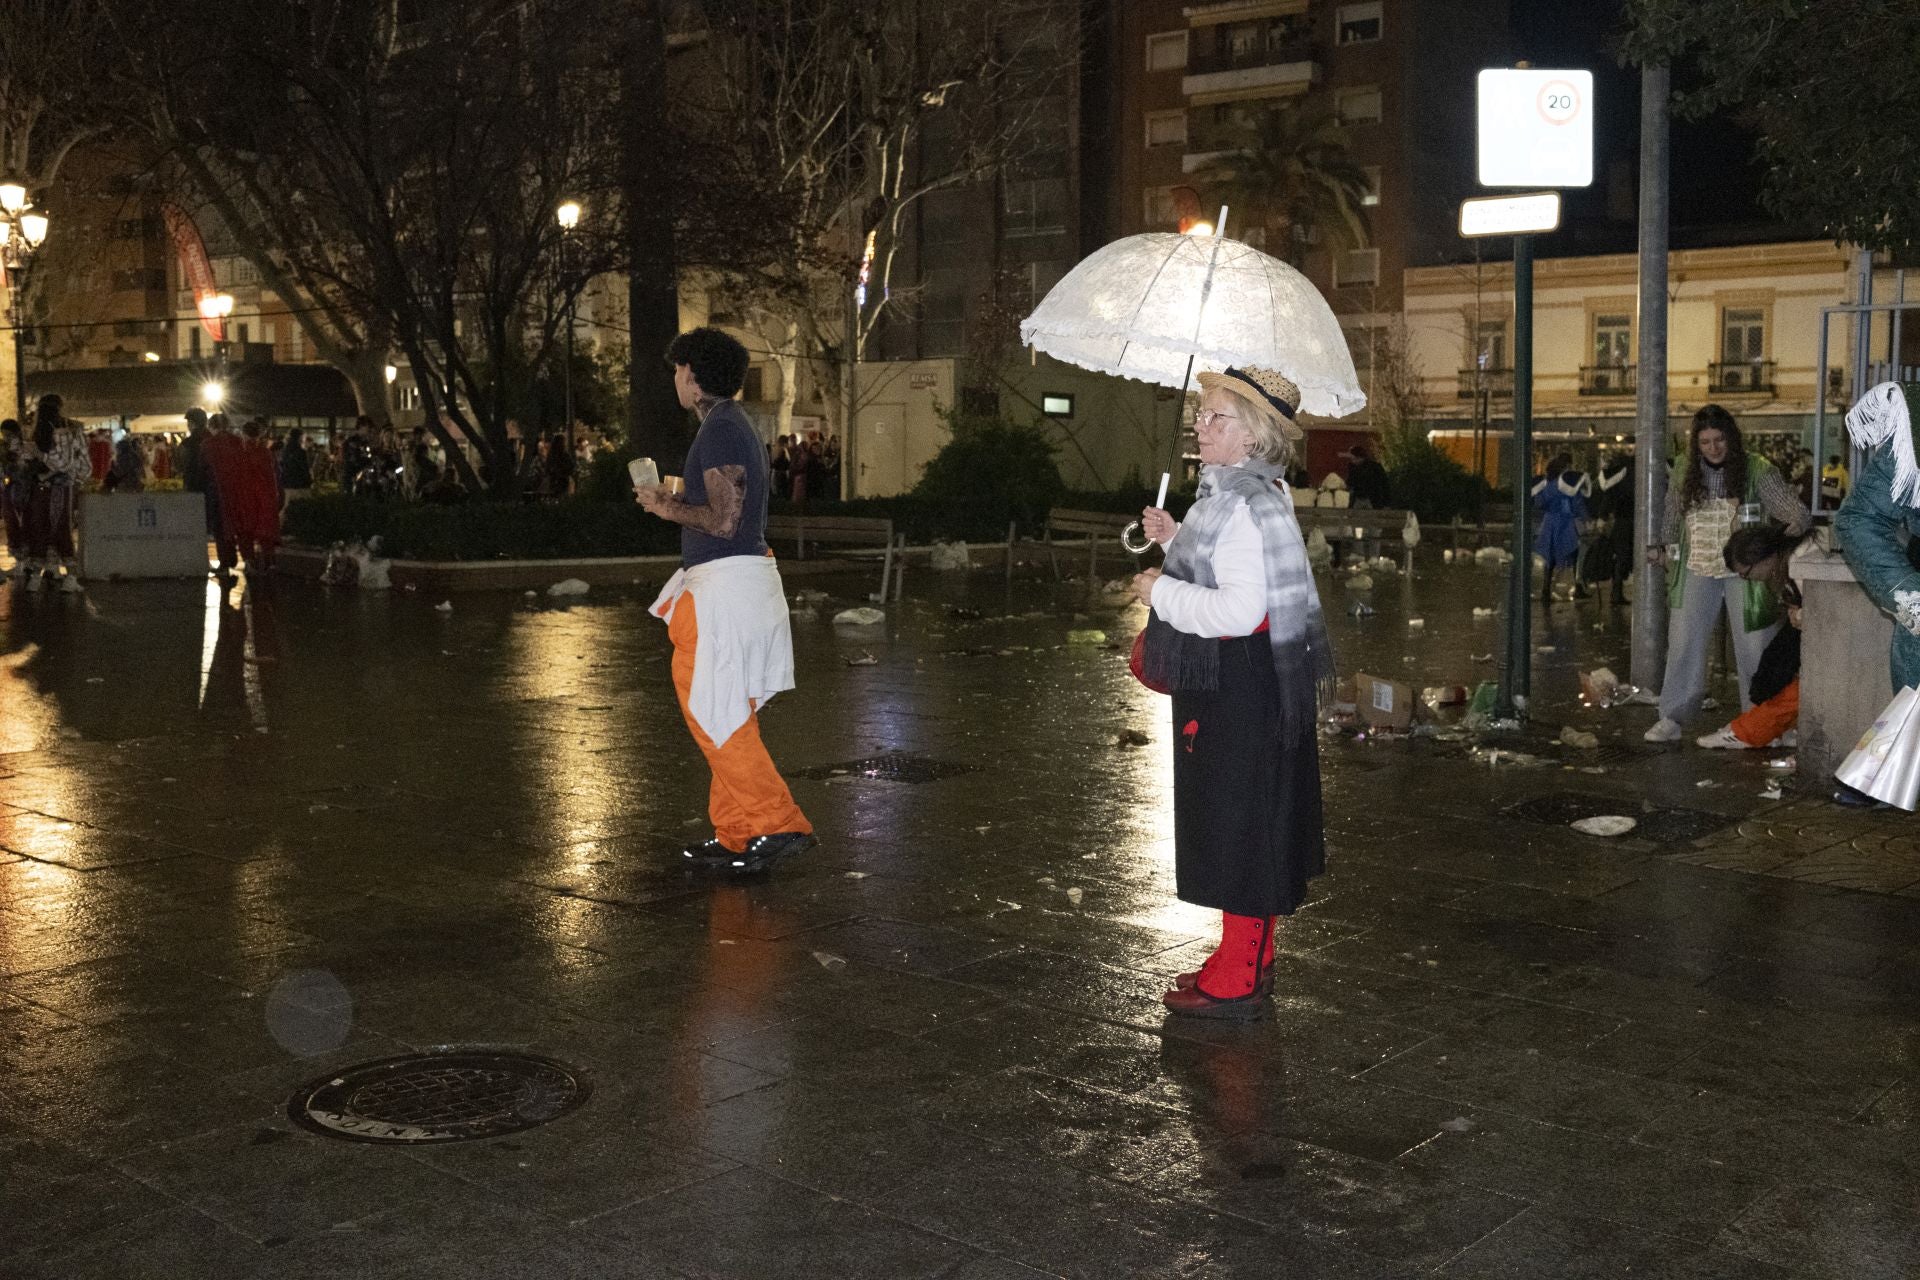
x,y
1302,657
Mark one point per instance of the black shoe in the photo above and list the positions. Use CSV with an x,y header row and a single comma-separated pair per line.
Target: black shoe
x,y
763,853
1619,596
1849,798
708,853
1581,593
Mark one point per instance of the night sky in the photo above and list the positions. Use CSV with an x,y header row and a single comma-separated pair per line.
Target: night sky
x,y
1716,183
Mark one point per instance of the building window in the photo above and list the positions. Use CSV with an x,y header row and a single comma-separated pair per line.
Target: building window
x,y
1612,341
193,342
943,312
1356,266
1160,210
1167,51
1033,206
1372,196
1358,23
1167,129
1490,345
1056,404
1743,335
943,216
409,396
1358,106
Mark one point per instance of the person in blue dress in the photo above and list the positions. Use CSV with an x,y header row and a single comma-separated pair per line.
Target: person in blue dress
x,y
1560,496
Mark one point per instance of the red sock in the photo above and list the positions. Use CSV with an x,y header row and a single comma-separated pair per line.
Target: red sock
x,y
1246,951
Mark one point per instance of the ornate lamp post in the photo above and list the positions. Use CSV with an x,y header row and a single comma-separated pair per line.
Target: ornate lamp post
x,y
22,231
568,216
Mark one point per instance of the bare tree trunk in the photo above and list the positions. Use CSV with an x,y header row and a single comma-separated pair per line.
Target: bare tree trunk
x,y
788,362
656,424
367,372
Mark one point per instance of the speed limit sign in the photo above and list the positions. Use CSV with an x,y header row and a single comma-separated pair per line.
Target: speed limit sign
x,y
1536,128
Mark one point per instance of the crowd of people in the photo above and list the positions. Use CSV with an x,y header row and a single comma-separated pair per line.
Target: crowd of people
x,y
800,467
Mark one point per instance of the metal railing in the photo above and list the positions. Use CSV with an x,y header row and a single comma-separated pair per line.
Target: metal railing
x,y
1261,55
1608,380
1498,382
1740,377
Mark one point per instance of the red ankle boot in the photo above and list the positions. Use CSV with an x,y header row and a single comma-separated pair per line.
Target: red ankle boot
x,y
1236,982
1210,967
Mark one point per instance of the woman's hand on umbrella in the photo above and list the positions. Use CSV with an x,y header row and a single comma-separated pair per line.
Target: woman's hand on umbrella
x,y
1143,584
1656,555
1159,525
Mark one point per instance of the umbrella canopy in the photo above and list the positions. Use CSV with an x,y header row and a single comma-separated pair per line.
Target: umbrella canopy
x,y
1135,308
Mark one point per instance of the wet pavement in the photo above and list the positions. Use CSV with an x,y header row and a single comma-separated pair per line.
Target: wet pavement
x,y
249,839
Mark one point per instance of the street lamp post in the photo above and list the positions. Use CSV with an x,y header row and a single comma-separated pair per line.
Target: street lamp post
x,y
568,216
22,231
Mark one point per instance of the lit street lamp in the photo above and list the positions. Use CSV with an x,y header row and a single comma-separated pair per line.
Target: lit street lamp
x,y
568,216
22,231
212,393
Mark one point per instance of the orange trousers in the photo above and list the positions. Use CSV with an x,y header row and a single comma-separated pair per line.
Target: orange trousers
x,y
1768,720
748,797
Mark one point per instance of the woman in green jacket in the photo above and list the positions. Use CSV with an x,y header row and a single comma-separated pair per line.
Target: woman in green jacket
x,y
1705,494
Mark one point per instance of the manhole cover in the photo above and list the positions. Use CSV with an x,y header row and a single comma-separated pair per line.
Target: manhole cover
x,y
891,768
439,1097
1664,826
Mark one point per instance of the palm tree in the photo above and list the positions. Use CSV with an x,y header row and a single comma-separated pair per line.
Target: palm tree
x,y
1293,175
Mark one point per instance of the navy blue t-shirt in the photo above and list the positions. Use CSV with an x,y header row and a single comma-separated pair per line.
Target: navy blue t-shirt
x,y
727,439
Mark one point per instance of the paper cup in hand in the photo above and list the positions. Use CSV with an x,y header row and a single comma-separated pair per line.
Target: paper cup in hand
x,y
643,473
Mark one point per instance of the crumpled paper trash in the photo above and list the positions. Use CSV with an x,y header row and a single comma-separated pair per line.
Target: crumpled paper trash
x,y
1360,582
1606,824
1087,636
1319,550
860,616
568,587
949,556
1573,737
1493,555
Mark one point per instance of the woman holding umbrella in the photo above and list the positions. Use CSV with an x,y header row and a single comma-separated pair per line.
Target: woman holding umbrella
x,y
1236,634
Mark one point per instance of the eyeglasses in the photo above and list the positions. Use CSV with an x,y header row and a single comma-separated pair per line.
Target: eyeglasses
x,y
1207,417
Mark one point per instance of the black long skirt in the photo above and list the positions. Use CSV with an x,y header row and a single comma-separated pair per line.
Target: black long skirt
x,y
1247,827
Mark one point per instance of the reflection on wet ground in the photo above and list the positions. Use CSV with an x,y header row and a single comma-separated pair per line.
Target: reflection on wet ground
x,y
252,836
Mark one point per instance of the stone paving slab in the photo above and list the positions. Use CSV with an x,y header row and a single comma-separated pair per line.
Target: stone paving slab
x,y
933,1047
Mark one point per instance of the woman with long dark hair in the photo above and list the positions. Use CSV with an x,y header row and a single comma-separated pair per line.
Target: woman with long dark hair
x,y
1560,496
1707,493
58,458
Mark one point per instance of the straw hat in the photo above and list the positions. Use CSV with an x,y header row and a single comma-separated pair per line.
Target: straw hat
x,y
1268,386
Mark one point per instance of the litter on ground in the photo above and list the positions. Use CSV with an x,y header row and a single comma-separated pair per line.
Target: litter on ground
x,y
569,587
1573,737
1606,824
859,616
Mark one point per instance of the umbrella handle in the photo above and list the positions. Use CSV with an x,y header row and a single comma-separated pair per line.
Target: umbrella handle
x,y
1126,538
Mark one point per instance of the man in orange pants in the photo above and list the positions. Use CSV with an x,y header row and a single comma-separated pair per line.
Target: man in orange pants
x,y
726,613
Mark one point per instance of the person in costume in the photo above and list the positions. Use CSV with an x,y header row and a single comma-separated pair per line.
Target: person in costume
x,y
1560,496
1235,633
59,463
1705,493
726,612
1880,514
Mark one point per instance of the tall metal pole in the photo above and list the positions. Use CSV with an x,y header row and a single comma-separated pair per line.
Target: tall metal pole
x,y
566,285
1517,675
1650,440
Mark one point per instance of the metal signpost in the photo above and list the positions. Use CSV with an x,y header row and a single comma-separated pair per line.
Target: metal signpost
x,y
1535,130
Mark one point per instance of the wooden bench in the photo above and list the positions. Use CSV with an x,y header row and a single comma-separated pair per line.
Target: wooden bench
x,y
846,531
1343,526
1097,527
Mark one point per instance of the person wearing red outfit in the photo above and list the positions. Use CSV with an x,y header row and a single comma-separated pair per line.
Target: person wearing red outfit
x,y
1235,633
249,492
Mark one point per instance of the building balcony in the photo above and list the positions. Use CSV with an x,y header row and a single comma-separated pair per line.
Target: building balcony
x,y
1740,377
1269,73
1498,382
1607,380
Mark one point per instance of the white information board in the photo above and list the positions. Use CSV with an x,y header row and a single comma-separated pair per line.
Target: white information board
x,y
143,535
1536,128
1510,215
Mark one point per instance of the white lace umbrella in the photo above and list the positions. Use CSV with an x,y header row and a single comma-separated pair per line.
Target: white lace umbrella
x,y
1157,306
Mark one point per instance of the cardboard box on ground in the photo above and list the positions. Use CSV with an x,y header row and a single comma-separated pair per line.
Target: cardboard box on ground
x,y
1382,703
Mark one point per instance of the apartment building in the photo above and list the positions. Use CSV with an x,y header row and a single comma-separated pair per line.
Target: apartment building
x,y
1191,78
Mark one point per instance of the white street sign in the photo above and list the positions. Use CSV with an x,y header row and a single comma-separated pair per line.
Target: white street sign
x,y
1510,215
1536,128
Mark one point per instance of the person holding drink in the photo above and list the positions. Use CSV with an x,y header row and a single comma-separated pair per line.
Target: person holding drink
x,y
1235,633
726,612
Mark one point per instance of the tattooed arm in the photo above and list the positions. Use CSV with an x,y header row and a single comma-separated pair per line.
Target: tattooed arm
x,y
720,517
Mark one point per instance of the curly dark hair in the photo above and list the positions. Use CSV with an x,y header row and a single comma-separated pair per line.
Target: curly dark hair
x,y
1693,489
718,361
